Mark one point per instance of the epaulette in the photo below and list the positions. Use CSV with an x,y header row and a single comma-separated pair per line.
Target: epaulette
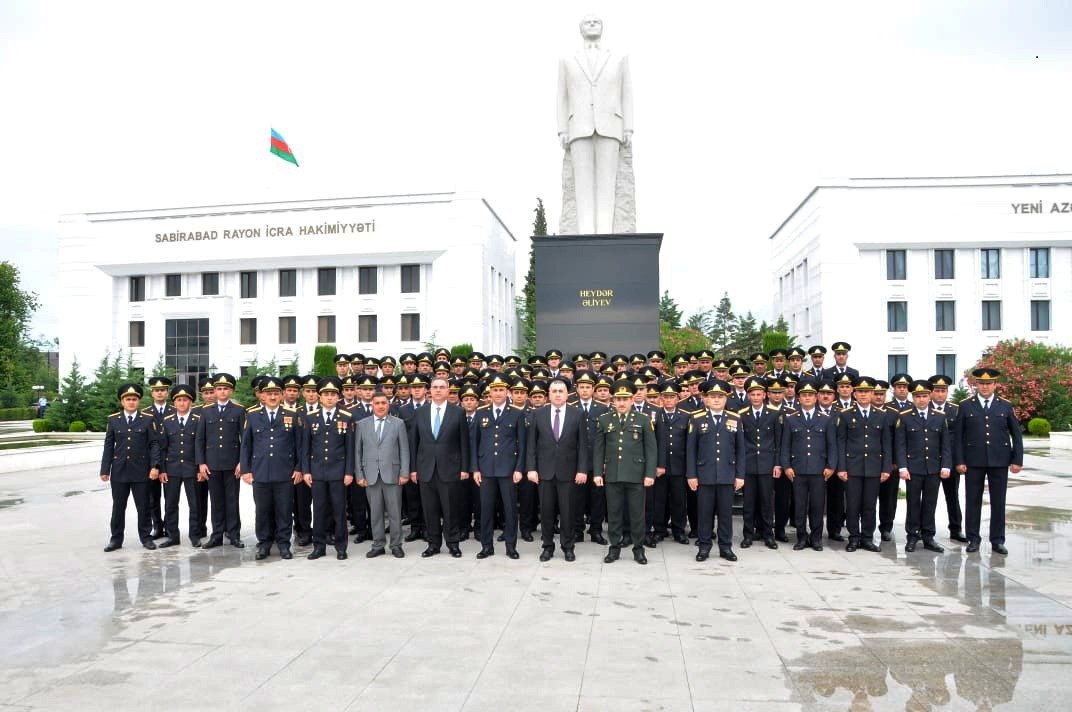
x,y
964,400
768,406
195,416
288,409
239,404
517,407
906,411
341,410
112,415
742,411
170,416
252,408
735,415
483,407
314,410
699,415
147,410
846,410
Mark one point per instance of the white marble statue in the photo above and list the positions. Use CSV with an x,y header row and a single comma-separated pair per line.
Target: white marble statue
x,y
595,127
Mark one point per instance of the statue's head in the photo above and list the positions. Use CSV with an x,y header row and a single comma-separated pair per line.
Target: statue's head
x,y
591,27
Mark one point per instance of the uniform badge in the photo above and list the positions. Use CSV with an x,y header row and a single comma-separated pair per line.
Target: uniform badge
x,y
704,426
340,425
636,435
731,425
610,427
484,422
316,426
287,421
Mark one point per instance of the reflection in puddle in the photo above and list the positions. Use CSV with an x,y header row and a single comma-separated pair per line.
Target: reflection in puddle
x,y
14,501
1038,518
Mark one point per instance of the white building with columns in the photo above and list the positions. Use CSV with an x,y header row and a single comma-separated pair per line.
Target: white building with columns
x,y
921,275
224,285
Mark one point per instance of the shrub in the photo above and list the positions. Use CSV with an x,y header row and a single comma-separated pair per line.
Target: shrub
x,y
324,360
41,426
77,427
1035,376
18,413
462,350
1039,427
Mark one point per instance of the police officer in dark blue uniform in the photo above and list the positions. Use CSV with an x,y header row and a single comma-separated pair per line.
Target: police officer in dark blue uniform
x,y
922,446
888,490
988,445
157,410
178,465
217,449
271,461
865,460
328,466
667,498
497,441
940,385
809,456
131,451
714,466
762,427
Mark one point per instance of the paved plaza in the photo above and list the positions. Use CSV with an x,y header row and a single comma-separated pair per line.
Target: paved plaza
x,y
184,629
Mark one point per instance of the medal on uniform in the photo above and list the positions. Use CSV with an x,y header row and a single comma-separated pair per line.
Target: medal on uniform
x,y
636,435
703,426
484,422
731,425
316,426
610,428
340,425
287,420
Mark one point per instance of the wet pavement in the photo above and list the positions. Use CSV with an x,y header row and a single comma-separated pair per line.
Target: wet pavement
x,y
779,630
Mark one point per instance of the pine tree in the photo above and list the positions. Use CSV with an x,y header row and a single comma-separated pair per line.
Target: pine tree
x,y
669,311
723,329
102,391
747,337
700,321
71,404
526,304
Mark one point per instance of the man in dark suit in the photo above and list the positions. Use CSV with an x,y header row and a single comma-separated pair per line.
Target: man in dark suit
x,y
865,460
940,385
762,426
841,357
809,456
589,499
439,448
988,445
715,467
270,461
923,454
217,448
668,492
128,464
557,457
327,464
158,410
178,465
498,438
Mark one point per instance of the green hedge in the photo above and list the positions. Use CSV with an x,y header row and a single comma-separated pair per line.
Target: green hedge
x,y
41,426
18,413
1039,427
77,427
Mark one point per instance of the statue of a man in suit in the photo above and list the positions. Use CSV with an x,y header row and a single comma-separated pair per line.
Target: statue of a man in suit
x,y
595,119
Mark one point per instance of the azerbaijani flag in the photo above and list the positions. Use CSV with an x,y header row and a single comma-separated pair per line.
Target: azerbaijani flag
x,y
281,149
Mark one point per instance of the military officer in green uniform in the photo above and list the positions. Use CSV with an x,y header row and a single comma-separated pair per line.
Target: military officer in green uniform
x,y
624,457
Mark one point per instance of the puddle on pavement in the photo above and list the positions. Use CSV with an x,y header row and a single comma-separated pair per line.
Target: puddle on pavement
x,y
73,493
1046,519
11,502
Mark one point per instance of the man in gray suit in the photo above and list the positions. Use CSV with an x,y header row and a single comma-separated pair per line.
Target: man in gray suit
x,y
382,468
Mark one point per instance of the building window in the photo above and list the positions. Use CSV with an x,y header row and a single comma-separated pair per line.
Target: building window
x,y
325,329
1040,315
411,279
288,282
896,316
186,349
247,285
944,264
991,315
288,329
366,328
210,284
325,282
946,365
895,264
366,280
896,363
173,285
137,334
990,263
945,316
1040,263
411,327
137,289
247,331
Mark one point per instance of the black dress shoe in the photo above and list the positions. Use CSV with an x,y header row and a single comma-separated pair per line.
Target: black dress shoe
x,y
681,539
316,554
870,546
414,535
782,538
972,547
485,553
745,543
999,549
501,537
360,538
800,546
526,536
568,555
702,555
396,551
158,534
910,545
887,536
817,547
638,556
149,544
598,538
512,553
932,545
195,542
727,554
113,545
835,537
262,553
353,530
546,554
454,551
649,541
168,542
851,546
305,540
285,554
237,543
957,536
373,553
341,555
612,555
771,544
430,551
212,543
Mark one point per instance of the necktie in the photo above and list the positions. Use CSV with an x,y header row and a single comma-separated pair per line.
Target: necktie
x,y
923,415
496,415
327,417
182,422
271,418
718,419
756,414
556,427
221,410
986,405
807,417
379,429
866,413
130,419
435,425
586,409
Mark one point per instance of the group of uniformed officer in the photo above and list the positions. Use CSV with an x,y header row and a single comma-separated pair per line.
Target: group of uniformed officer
x,y
663,447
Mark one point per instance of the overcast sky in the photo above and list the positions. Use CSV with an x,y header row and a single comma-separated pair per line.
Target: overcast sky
x,y
741,108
